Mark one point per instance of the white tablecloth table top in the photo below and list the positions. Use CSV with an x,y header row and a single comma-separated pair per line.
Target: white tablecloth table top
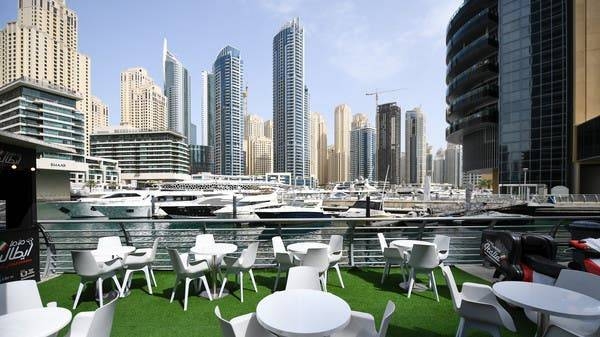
x,y
302,247
107,255
408,244
548,299
303,313
40,322
217,249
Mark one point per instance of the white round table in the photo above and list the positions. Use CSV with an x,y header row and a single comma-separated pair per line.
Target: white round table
x,y
547,300
408,244
303,313
40,322
302,247
216,250
107,255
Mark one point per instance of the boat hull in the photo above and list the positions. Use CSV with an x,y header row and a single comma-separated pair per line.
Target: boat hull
x,y
190,211
77,209
125,211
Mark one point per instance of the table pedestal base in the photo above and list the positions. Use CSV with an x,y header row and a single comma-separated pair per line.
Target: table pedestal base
x,y
417,287
214,295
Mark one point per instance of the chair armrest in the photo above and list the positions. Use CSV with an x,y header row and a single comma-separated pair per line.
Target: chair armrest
x,y
229,260
486,312
362,323
197,262
51,304
480,293
111,263
81,323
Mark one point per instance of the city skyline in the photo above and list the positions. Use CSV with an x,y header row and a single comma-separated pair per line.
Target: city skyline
x,y
336,72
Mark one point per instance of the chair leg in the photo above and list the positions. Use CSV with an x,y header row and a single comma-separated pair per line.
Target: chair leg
x,y
461,325
174,288
203,278
120,288
339,273
241,275
153,278
432,280
385,270
126,281
79,291
411,282
277,277
252,278
223,286
494,331
148,282
100,294
187,289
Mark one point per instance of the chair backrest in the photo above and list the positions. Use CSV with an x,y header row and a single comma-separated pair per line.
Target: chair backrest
x,y
204,240
382,243
19,295
385,321
248,256
317,258
423,257
336,244
394,252
456,296
442,242
109,243
278,246
102,321
84,263
176,261
579,281
226,327
303,277
154,249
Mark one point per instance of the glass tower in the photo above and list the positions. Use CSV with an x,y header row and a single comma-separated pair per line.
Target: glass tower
x,y
229,112
290,97
177,89
362,153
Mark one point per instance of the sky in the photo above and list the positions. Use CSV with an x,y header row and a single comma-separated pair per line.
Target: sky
x,y
351,47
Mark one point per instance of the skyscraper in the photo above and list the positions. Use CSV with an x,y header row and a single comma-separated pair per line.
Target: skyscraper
x,y
177,87
415,146
207,117
253,129
260,160
389,141
429,161
362,152
359,120
229,120
453,164
318,147
343,122
143,104
268,125
439,167
42,46
290,116
99,115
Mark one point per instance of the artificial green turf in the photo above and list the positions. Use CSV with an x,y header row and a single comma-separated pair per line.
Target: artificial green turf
x,y
141,314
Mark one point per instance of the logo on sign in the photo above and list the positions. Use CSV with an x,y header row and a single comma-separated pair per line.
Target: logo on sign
x,y
16,250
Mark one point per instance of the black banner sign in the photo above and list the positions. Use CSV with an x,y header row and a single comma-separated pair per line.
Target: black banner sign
x,y
19,254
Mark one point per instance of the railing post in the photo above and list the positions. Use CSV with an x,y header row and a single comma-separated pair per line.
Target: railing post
x,y
351,246
125,234
50,252
421,230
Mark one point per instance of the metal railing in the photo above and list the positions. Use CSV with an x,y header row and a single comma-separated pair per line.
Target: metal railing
x,y
361,246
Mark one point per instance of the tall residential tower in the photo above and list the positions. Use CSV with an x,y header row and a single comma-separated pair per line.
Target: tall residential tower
x,y
416,146
389,141
177,87
143,104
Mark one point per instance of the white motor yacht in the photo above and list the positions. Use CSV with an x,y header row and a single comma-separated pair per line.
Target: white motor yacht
x,y
83,207
359,210
247,206
204,206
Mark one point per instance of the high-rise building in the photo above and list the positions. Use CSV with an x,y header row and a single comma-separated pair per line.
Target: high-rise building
x,y
453,163
389,141
586,101
253,127
318,147
201,159
332,163
359,120
362,153
290,115
228,70
260,160
342,123
207,117
99,115
268,126
439,167
177,89
41,45
429,161
143,105
415,146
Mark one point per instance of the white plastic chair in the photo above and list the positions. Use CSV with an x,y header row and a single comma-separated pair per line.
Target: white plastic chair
x,y
94,323
583,283
20,295
442,243
423,260
477,307
393,257
283,258
336,247
362,324
141,260
239,266
303,277
91,270
242,326
188,271
318,258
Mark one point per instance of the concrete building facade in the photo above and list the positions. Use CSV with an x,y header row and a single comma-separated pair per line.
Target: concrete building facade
x,y
389,143
415,146
143,105
318,148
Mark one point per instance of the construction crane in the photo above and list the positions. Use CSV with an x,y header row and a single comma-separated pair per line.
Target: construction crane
x,y
377,92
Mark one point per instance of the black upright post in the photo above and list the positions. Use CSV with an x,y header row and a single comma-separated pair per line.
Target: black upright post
x,y
234,212
368,211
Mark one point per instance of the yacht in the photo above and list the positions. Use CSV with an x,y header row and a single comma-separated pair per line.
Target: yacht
x,y
127,209
83,207
359,210
295,210
204,206
247,206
